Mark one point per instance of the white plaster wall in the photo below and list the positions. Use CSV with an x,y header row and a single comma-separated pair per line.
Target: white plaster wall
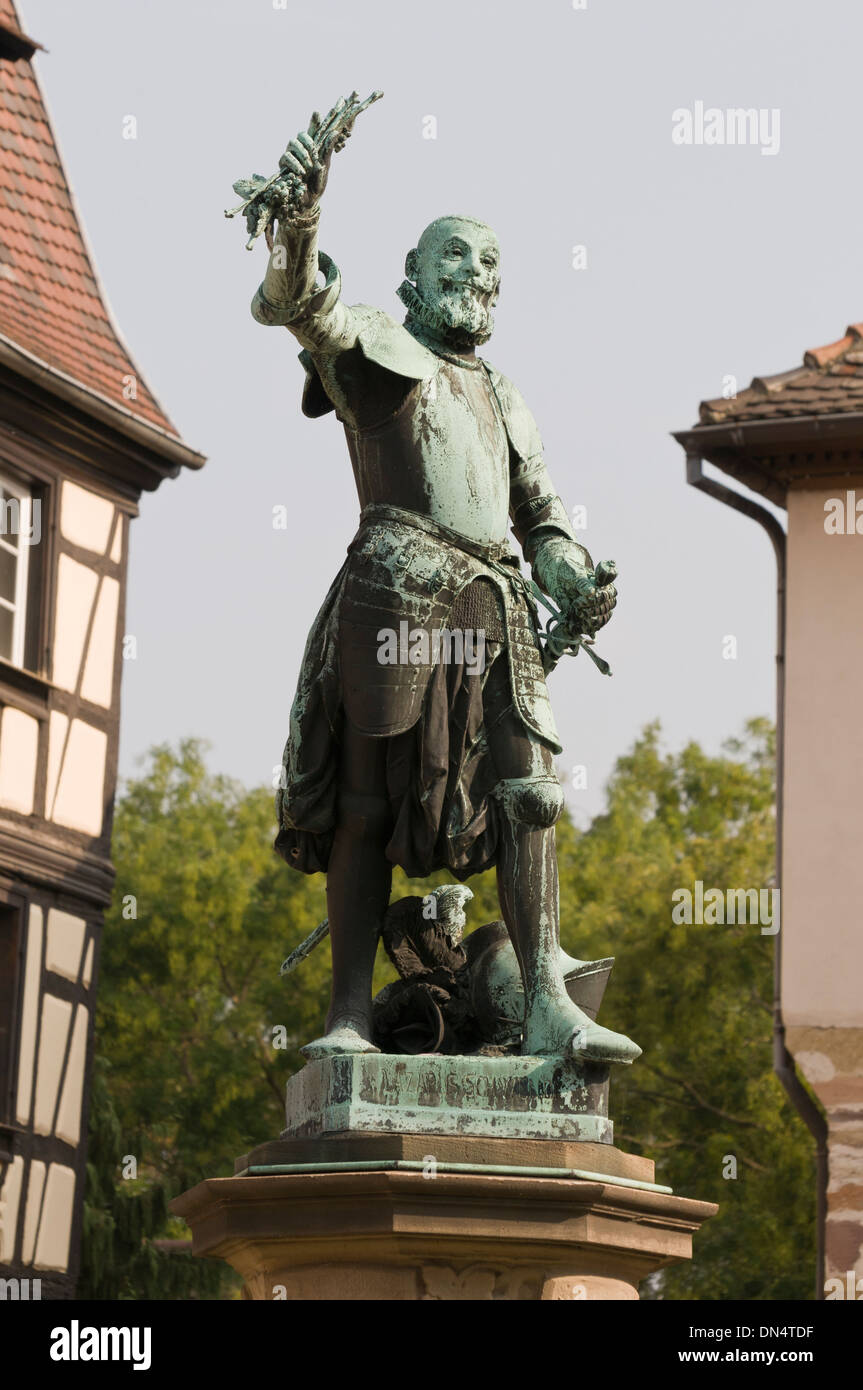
x,y
79,803
98,682
32,1211
58,723
55,1228
68,1127
30,1016
65,943
56,1017
87,974
85,518
10,1197
19,747
76,589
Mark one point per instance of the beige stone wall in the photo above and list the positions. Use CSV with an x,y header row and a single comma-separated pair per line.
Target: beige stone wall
x,y
822,908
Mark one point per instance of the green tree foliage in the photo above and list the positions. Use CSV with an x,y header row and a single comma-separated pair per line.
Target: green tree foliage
x,y
200,1030
698,1000
122,1220
192,1009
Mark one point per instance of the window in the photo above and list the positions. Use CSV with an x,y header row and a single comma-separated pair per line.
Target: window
x,y
17,535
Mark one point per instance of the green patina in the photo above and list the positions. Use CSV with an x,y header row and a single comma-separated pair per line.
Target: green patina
x,y
445,456
503,1097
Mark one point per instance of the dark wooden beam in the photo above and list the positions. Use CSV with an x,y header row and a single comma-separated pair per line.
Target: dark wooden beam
x,y
14,45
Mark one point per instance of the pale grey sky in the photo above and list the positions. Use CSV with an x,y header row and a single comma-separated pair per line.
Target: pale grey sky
x,y
555,126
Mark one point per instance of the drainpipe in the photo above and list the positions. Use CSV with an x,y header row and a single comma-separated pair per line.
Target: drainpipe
x,y
783,1062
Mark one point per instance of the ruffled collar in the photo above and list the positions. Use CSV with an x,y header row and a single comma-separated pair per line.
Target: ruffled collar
x,y
429,327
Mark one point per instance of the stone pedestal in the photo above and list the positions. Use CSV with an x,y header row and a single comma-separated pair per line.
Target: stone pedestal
x,y
443,1177
396,1233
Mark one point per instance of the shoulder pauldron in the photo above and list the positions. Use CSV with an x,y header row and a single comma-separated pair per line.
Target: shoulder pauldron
x,y
383,341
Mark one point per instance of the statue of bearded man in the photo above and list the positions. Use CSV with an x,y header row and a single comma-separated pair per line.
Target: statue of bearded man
x,y
395,756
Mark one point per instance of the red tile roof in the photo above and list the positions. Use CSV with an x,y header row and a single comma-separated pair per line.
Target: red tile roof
x,y
51,303
829,382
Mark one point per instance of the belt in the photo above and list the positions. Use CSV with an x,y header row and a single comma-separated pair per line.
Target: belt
x,y
375,512
498,557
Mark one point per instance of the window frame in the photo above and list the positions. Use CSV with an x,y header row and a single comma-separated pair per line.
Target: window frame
x,y
19,606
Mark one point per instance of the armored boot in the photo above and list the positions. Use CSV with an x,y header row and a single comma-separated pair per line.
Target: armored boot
x,y
528,891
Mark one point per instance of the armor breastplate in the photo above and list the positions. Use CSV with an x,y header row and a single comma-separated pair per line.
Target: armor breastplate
x,y
444,454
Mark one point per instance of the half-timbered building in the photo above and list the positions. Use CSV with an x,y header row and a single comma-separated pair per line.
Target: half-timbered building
x,y
81,436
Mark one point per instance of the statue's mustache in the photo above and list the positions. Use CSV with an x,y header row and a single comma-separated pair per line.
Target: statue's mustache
x,y
479,292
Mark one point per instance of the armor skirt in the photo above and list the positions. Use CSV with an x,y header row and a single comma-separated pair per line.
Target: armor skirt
x,y
434,715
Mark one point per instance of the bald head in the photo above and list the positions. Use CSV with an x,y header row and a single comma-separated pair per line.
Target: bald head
x,y
451,225
464,242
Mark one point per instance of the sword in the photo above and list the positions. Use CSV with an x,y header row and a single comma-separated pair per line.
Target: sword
x,y
306,947
558,638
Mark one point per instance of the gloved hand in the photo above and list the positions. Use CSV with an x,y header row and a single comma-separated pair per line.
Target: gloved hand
x,y
585,596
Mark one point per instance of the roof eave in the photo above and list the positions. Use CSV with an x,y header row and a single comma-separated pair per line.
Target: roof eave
x,y
168,447
739,447
739,434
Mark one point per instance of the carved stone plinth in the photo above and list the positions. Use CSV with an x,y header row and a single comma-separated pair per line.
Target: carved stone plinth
x,y
507,1097
396,1233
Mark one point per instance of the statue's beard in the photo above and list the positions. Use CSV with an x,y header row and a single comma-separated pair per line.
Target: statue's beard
x,y
466,311
460,313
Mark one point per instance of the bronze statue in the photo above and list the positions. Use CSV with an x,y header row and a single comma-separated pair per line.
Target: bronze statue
x,y
421,733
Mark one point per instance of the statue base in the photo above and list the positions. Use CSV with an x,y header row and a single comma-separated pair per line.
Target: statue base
x,y
429,1177
373,1218
505,1097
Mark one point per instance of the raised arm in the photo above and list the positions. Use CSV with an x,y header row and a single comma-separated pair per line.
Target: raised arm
x,y
289,294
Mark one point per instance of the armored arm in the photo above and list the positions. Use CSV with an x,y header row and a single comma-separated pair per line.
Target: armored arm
x,y
541,525
561,565
290,294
